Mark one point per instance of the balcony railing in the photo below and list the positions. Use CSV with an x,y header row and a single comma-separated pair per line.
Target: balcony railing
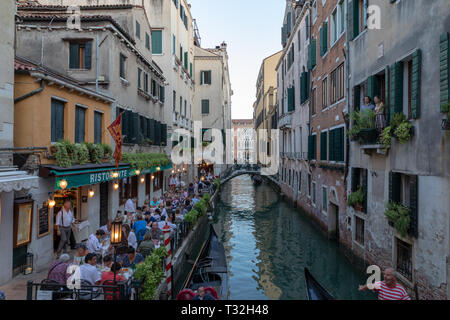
x,y
285,121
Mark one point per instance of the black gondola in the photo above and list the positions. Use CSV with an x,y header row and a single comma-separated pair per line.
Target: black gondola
x,y
210,269
314,290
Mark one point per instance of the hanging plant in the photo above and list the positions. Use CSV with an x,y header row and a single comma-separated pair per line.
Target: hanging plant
x,y
398,214
403,132
356,199
386,137
62,156
81,153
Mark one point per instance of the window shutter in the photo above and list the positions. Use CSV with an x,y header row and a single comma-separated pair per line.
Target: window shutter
x,y
157,133
445,70
190,69
365,188
310,147
307,82
135,131
315,147
144,129
325,37
157,42
289,22
205,106
74,56
164,134
371,87
88,56
152,131
209,74
394,187
356,98
291,99
396,94
414,206
331,149
387,95
302,93
416,84
354,19
355,179
185,60
323,146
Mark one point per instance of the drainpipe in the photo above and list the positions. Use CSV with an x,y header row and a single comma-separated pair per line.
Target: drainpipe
x,y
96,64
32,93
347,101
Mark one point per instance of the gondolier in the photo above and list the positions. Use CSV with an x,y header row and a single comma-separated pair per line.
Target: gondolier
x,y
388,289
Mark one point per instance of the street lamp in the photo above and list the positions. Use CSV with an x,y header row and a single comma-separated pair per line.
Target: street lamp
x,y
116,239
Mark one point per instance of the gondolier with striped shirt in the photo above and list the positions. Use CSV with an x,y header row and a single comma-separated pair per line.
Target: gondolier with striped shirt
x,y
388,289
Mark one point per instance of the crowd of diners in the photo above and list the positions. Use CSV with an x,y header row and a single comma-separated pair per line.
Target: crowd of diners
x,y
142,232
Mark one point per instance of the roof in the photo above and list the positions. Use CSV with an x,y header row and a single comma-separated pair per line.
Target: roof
x,y
25,65
40,7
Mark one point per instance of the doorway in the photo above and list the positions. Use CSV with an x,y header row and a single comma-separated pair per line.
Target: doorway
x,y
333,222
104,203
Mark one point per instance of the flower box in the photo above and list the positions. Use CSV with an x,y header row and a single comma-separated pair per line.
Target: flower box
x,y
368,136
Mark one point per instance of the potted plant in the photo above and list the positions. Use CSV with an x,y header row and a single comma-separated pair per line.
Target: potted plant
x,y
446,122
368,134
356,200
399,217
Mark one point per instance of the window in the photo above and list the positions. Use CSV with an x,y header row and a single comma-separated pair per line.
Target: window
x,y
205,107
404,259
314,11
138,30
312,147
147,41
324,146
309,184
337,145
337,84
313,101
314,193
139,74
123,70
358,16
162,93
174,45
299,40
300,182
334,27
158,181
80,55
98,127
57,130
174,100
325,93
324,39
205,77
154,89
146,82
341,13
157,42
324,199
359,230
407,87
80,120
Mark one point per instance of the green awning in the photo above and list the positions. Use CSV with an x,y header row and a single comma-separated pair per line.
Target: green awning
x,y
80,178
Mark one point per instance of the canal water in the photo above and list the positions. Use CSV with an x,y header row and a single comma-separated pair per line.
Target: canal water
x,y
268,243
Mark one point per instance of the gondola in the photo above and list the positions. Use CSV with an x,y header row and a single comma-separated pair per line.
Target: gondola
x,y
257,180
314,290
209,271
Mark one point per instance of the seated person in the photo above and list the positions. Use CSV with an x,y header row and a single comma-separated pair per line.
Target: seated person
x,y
108,261
140,227
88,271
202,295
131,259
156,216
80,255
167,221
154,203
109,276
155,233
93,244
147,246
58,269
178,216
107,228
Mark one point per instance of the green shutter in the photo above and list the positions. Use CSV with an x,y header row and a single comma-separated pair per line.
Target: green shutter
x,y
371,86
190,69
340,144
414,206
323,146
325,38
152,131
135,132
74,58
416,84
88,56
205,106
354,19
396,93
387,94
288,22
291,99
331,149
312,52
302,94
164,134
444,71
157,133
315,147
174,46
321,42
185,60
126,126
157,42
310,147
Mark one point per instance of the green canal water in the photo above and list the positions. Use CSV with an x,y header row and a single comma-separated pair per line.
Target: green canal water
x,y
268,244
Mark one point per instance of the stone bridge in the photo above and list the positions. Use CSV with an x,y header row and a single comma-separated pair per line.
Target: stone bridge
x,y
235,173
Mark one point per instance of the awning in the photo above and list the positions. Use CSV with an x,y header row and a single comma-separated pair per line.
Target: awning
x,y
14,180
79,176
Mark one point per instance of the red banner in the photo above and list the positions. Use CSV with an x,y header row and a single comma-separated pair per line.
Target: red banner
x,y
115,129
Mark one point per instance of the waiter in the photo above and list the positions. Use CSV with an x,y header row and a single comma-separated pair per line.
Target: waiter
x,y
64,221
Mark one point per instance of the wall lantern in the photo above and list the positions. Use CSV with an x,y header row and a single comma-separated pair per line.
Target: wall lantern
x,y
138,172
91,193
115,175
51,203
158,169
116,186
116,232
153,177
63,184
142,180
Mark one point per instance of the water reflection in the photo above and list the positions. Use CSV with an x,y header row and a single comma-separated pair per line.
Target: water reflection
x,y
268,244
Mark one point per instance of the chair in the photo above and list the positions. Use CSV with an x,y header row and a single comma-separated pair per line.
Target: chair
x,y
87,291
115,293
141,234
59,290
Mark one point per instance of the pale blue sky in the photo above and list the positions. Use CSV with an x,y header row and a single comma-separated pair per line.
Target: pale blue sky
x,y
252,31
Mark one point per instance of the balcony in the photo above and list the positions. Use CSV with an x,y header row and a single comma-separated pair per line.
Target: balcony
x,y
175,63
285,121
175,118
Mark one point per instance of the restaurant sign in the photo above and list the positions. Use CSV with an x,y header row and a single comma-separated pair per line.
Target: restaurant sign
x,y
91,178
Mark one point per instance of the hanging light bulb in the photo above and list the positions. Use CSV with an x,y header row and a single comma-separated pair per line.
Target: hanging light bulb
x,y
153,177
115,175
142,180
138,172
158,169
63,184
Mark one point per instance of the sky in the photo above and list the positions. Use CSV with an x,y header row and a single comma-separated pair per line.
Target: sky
x,y
252,31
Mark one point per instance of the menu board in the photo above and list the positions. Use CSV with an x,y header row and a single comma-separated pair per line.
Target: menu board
x,y
43,222
23,212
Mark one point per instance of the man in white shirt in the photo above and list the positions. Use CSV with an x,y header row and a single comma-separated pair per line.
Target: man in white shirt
x,y
88,270
64,221
93,244
107,228
130,205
